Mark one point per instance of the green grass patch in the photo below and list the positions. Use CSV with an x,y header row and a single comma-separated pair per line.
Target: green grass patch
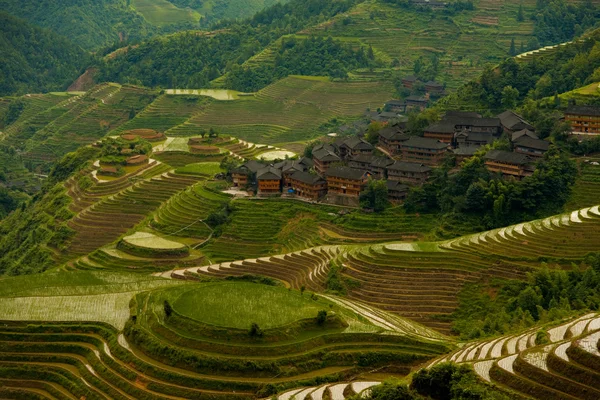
x,y
205,168
162,12
238,305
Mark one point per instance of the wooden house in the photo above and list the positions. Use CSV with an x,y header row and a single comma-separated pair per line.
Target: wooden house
x,y
443,131
346,181
585,120
395,106
324,156
514,136
531,147
288,168
466,138
269,180
396,191
464,152
352,146
245,174
418,103
434,87
390,138
423,150
409,81
513,122
408,172
508,163
307,185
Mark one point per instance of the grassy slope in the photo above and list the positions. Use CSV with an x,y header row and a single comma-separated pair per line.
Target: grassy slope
x,y
465,43
162,12
238,305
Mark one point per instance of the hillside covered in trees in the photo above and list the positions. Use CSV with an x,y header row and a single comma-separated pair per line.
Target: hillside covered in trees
x,y
36,60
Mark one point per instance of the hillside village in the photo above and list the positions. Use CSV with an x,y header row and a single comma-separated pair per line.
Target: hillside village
x,y
338,171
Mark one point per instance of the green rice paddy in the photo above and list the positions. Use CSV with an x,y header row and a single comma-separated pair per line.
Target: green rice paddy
x,y
238,305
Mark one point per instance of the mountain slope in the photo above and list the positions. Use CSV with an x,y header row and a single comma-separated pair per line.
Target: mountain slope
x,y
89,23
35,60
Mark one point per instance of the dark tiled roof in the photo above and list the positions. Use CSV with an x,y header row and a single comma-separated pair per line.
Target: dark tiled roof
x,y
395,186
392,133
466,150
419,99
381,162
325,155
513,121
507,157
408,167
252,166
424,143
345,172
410,78
441,127
461,114
523,133
584,110
434,84
483,122
362,158
268,173
308,178
355,142
388,115
537,144
307,162
395,103
480,137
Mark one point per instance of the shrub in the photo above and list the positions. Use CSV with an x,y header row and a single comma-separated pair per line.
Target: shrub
x,y
321,317
168,308
255,330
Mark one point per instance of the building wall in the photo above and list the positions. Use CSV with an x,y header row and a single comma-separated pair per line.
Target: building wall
x,y
423,156
507,169
343,186
269,186
529,152
239,179
584,124
407,177
442,137
308,191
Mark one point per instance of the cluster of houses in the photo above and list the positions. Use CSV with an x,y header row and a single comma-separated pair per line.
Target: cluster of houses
x,y
342,168
338,170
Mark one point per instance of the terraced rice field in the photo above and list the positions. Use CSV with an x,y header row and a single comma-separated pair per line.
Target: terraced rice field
x,y
108,210
114,356
289,110
465,43
586,190
74,121
563,369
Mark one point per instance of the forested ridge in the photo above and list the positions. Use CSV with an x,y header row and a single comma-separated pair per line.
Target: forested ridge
x,y
89,23
36,60
191,59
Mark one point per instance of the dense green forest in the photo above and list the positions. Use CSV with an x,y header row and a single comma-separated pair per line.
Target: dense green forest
x,y
546,296
89,23
192,60
487,201
565,69
216,10
556,21
35,60
313,56
445,381
41,224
